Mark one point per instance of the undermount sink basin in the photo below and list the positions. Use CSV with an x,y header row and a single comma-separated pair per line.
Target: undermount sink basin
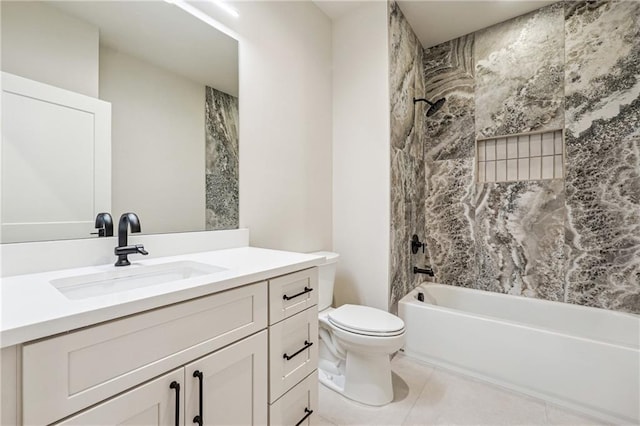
x,y
129,278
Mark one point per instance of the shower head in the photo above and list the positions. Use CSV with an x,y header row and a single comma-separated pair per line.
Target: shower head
x,y
433,106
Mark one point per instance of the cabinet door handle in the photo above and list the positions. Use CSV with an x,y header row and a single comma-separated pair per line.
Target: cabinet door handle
x,y
307,413
198,419
175,385
307,345
306,290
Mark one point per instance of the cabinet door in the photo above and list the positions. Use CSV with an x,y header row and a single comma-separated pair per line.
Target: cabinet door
x,y
151,404
233,386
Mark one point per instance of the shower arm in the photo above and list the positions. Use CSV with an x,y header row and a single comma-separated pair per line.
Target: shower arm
x,y
416,100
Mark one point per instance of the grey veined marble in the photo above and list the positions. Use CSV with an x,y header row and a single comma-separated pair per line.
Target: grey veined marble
x,y
519,74
603,154
519,234
602,61
449,221
407,162
222,161
573,64
448,72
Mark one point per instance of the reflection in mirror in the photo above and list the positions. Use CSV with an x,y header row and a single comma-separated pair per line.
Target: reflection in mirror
x,y
116,106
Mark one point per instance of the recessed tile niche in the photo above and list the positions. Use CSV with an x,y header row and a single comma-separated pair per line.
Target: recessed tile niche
x,y
525,157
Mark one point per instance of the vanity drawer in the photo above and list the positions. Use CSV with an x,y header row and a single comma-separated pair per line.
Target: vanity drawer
x,y
67,373
292,408
292,293
293,351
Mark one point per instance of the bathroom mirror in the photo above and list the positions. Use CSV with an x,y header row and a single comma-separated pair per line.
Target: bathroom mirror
x,y
116,106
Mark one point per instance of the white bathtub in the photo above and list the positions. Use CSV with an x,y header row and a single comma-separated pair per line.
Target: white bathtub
x,y
583,358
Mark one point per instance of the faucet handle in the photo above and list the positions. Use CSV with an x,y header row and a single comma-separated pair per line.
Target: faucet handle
x,y
416,244
140,249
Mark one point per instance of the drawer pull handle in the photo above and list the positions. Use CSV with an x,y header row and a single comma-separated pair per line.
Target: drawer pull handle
x,y
175,385
307,345
198,419
307,413
305,291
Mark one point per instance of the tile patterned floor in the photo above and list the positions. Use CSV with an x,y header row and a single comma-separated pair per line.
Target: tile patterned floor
x,y
425,395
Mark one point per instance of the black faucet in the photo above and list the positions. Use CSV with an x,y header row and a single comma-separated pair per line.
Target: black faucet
x,y
127,220
426,271
104,225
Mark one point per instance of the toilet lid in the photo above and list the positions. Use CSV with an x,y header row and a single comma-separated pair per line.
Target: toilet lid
x,y
366,320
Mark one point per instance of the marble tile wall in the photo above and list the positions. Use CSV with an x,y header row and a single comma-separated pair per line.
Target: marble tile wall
x,y
407,163
519,234
449,153
602,120
572,65
222,161
448,72
519,67
449,221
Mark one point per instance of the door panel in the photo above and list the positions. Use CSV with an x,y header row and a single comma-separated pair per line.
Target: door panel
x,y
234,385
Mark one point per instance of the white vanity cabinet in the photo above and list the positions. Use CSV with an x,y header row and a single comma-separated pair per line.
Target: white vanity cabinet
x,y
67,373
213,360
234,384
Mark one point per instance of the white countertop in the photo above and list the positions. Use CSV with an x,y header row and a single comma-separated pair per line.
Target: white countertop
x,y
32,308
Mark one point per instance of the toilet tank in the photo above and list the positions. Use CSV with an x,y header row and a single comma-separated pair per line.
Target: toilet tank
x,y
326,278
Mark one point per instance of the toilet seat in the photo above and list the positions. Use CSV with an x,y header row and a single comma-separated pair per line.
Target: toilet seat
x,y
366,321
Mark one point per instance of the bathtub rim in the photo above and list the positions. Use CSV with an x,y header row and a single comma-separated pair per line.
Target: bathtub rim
x,y
411,298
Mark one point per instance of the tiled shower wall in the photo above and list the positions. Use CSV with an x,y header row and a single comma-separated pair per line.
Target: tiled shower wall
x,y
222,160
407,140
572,66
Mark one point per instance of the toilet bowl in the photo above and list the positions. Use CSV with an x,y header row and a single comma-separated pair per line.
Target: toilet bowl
x,y
356,343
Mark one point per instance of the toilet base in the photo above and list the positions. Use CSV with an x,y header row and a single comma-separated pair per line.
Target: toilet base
x,y
367,379
333,381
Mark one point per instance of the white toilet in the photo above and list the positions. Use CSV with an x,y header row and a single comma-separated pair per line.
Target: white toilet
x,y
355,343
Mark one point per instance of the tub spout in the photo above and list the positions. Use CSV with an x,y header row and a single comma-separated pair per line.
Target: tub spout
x,y
426,271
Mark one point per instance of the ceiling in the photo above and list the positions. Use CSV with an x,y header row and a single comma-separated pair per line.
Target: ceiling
x,y
437,21
334,9
164,35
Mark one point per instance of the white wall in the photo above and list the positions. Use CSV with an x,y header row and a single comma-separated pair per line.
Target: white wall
x,y
158,143
285,122
361,155
43,44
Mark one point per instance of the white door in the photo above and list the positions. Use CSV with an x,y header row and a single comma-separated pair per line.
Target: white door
x,y
234,385
155,403
56,161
